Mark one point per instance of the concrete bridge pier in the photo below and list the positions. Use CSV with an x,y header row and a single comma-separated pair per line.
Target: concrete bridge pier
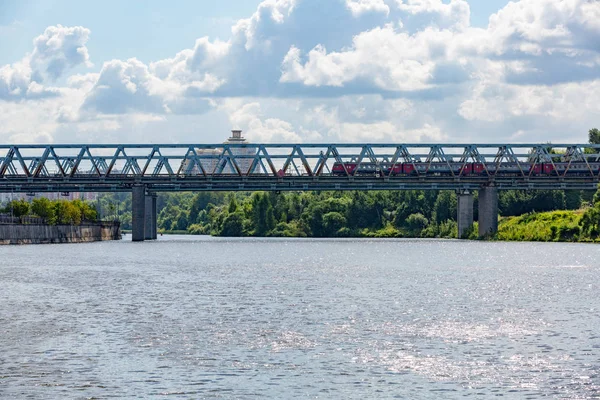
x,y
154,218
150,218
488,211
138,213
465,213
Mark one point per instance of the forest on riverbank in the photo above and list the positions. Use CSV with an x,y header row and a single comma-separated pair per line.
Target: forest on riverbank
x,y
524,215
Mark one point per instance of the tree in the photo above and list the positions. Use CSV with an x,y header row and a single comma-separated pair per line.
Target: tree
x,y
313,218
233,226
18,208
415,201
182,221
262,214
444,208
332,223
415,223
363,212
295,207
67,213
43,208
590,222
88,213
594,136
199,203
402,212
232,205
573,199
518,202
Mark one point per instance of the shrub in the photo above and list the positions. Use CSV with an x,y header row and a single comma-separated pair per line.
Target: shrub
x,y
542,227
18,208
43,208
415,223
67,213
332,223
233,226
198,229
388,232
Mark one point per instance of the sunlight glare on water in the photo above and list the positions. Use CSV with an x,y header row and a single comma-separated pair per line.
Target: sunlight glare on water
x,y
199,317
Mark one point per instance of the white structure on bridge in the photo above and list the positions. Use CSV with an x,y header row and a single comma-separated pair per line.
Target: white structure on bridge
x,y
211,157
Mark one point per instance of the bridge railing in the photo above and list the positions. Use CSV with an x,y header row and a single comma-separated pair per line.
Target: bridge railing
x,y
50,162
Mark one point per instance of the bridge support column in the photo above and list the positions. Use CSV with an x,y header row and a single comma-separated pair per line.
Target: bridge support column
x,y
488,211
154,216
138,213
150,218
465,213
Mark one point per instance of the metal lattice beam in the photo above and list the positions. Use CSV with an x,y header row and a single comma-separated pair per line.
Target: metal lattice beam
x,y
244,166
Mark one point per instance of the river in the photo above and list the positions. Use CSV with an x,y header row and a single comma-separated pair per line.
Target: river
x,y
200,317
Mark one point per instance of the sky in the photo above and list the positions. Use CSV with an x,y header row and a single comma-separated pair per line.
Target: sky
x,y
185,71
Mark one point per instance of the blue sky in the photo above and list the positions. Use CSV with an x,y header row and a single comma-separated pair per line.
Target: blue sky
x,y
146,29
298,70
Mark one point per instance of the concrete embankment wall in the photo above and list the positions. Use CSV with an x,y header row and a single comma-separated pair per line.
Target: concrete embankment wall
x,y
42,234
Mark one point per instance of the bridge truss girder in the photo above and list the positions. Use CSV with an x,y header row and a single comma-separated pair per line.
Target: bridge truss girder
x,y
246,167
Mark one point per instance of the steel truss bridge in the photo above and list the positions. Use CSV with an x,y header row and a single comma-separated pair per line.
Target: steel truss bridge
x,y
290,167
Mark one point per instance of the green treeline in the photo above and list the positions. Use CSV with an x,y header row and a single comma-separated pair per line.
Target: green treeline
x,y
531,216
327,214
53,212
427,214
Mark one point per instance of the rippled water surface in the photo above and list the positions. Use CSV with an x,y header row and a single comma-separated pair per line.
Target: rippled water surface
x,y
349,319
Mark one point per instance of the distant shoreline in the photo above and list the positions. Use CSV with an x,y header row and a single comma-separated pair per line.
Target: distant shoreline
x,y
552,226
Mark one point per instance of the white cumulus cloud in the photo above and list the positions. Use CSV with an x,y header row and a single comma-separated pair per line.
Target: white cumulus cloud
x,y
56,50
59,48
455,14
314,70
359,7
383,57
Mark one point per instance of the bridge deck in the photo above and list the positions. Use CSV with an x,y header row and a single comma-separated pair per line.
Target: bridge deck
x,y
285,167
159,184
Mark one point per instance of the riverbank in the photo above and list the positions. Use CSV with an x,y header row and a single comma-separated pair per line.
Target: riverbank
x,y
552,226
394,214
47,234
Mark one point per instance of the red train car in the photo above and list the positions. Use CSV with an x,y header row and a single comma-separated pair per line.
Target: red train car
x,y
468,169
338,168
536,170
395,169
478,169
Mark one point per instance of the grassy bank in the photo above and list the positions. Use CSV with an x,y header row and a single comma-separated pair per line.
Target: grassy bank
x,y
554,226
